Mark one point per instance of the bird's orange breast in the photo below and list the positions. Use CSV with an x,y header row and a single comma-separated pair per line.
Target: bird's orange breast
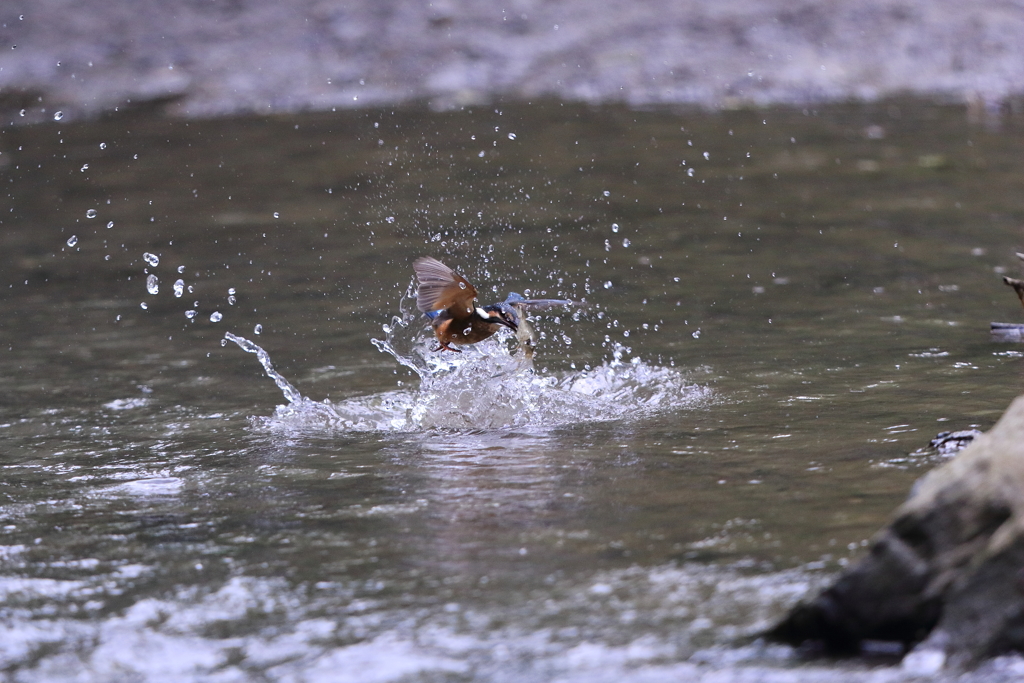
x,y
451,331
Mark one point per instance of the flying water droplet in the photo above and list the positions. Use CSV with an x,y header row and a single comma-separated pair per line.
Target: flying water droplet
x,y
258,329
57,116
277,215
231,290
91,213
144,305
216,317
511,136
103,145
690,171
608,284
626,242
152,284
73,240
232,300
181,269
615,227
21,113
151,259
179,288
110,225
85,167
190,314
707,156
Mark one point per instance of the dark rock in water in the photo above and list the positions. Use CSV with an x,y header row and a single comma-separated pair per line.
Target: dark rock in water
x,y
947,574
948,443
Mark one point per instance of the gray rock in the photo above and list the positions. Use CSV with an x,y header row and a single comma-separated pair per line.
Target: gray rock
x,y
223,56
948,443
946,574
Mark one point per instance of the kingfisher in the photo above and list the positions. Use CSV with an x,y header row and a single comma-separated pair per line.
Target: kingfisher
x,y
449,301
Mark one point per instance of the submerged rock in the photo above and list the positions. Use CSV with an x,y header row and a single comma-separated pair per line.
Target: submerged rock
x,y
947,574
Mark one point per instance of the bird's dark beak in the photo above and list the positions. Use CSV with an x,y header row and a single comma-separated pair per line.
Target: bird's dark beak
x,y
502,314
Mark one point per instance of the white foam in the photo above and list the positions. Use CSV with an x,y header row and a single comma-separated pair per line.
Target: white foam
x,y
336,632
487,386
126,403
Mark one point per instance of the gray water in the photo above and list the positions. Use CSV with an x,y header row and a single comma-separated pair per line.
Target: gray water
x,y
776,310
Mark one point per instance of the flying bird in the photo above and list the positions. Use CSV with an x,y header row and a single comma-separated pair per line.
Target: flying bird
x,y
449,302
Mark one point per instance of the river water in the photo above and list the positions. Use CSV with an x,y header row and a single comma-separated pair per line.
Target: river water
x,y
774,311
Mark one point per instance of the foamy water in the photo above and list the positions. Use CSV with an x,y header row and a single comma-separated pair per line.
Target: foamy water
x,y
490,385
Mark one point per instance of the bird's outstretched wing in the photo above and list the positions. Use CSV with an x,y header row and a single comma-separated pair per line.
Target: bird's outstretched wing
x,y
439,287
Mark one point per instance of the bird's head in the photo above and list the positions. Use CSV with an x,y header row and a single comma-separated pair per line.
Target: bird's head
x,y
502,314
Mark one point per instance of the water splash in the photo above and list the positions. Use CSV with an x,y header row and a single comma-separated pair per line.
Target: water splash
x,y
290,392
488,386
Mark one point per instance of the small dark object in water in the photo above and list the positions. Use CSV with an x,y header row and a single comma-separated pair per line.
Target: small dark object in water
x,y
1018,286
1010,332
948,443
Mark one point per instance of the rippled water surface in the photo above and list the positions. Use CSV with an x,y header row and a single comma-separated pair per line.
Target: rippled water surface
x,y
774,313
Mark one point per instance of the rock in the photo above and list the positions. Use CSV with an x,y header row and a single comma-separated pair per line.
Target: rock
x,y
948,443
209,58
947,574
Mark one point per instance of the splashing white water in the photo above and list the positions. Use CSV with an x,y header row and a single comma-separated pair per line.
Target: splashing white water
x,y
487,386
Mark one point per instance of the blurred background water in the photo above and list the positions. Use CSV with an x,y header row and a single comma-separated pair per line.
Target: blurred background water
x,y
807,293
